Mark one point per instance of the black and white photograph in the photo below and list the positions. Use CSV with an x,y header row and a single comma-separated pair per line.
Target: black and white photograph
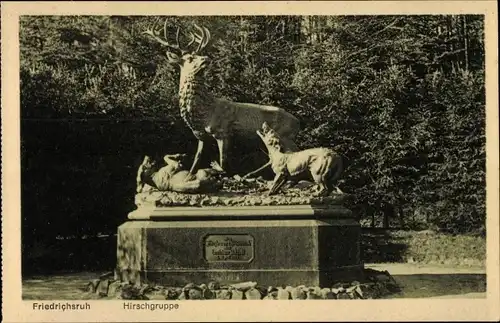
x,y
334,157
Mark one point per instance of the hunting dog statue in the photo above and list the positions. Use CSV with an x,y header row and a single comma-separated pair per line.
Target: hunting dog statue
x,y
172,176
211,117
322,165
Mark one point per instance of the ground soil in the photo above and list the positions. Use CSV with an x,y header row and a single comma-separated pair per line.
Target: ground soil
x,y
416,281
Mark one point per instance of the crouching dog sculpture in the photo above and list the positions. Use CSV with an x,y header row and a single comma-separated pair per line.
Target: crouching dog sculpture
x,y
172,176
323,165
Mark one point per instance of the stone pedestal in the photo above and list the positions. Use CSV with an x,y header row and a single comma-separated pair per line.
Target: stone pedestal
x,y
272,245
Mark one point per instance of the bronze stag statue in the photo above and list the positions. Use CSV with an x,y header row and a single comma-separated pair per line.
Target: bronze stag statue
x,y
211,117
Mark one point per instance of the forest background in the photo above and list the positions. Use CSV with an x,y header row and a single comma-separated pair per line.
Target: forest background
x,y
402,98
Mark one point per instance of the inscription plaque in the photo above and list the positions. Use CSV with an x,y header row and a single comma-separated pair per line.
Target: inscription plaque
x,y
229,248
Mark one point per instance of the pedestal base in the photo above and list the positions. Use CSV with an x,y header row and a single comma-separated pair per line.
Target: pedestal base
x,y
304,250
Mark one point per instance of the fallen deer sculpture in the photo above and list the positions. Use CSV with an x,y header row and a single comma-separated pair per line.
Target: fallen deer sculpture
x,y
211,117
172,177
323,165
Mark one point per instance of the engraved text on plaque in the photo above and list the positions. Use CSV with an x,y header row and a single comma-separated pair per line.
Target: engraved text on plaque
x,y
229,248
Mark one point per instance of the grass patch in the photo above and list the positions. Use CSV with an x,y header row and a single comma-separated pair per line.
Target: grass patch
x,y
427,247
464,250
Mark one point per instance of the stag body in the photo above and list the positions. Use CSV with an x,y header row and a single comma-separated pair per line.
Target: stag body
x,y
210,117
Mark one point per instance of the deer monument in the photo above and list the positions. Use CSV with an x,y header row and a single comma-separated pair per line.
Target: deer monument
x,y
211,117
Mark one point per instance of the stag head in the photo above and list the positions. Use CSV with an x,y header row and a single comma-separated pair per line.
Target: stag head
x,y
190,61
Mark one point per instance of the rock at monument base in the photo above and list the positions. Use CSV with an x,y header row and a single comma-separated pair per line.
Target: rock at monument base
x,y
313,246
374,285
236,294
283,294
253,293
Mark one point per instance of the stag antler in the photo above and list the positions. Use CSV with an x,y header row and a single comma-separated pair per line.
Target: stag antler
x,y
202,39
153,33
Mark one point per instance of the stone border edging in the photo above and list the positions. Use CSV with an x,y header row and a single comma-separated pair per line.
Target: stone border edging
x,y
376,285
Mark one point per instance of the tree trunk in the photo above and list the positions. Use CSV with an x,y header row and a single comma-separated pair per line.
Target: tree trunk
x,y
388,210
466,43
371,212
401,216
298,27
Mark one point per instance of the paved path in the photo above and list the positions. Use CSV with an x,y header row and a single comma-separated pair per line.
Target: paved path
x,y
436,281
410,269
468,295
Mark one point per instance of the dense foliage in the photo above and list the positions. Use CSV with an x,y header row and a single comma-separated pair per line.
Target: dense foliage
x,y
402,98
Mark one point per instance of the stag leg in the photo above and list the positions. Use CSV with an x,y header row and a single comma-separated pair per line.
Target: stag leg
x,y
222,144
257,170
322,190
196,160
